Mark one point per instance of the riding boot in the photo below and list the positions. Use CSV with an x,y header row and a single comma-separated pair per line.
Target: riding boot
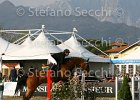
x,y
59,68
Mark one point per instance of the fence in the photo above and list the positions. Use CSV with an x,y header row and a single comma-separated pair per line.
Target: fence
x,y
103,89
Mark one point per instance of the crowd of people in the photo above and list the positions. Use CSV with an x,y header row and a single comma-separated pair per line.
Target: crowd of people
x,y
14,75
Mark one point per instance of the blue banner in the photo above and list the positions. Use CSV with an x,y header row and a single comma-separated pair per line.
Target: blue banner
x,y
121,61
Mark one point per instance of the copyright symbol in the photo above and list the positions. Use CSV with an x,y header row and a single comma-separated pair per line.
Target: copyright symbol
x,y
119,12
20,11
119,40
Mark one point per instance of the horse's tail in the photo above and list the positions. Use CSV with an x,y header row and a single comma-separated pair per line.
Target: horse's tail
x,y
21,82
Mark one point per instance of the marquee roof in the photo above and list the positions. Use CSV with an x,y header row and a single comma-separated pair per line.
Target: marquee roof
x,y
77,50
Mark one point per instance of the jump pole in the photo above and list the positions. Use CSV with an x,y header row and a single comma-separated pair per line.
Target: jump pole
x,y
49,85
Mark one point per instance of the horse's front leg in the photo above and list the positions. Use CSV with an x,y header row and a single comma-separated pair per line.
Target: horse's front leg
x,y
63,72
29,94
65,75
32,84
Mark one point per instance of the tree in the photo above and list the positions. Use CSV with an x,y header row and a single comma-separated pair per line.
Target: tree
x,y
124,92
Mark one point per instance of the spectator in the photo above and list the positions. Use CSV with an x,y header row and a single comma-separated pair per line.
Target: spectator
x,y
31,69
128,76
1,86
135,77
20,73
113,77
13,74
120,77
5,78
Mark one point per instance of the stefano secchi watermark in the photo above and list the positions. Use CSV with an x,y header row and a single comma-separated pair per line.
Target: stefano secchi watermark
x,y
67,73
102,42
42,12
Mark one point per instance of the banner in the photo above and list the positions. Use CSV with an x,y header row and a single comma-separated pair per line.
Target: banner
x,y
9,88
40,91
101,89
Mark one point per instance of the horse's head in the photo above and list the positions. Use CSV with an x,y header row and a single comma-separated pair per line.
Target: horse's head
x,y
84,65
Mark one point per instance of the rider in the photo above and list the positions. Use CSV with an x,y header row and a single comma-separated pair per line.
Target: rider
x,y
60,57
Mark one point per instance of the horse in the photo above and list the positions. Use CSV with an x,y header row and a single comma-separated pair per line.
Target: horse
x,y
33,80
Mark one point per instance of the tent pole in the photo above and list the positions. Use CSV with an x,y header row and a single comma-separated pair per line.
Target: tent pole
x,y
55,37
134,69
92,45
1,63
19,30
26,36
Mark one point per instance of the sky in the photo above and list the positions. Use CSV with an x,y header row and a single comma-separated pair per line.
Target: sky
x,y
32,3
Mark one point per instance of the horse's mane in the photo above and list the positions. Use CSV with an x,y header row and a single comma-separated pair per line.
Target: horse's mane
x,y
76,62
78,58
72,58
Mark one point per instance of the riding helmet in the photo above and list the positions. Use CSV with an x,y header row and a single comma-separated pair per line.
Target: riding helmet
x,y
67,50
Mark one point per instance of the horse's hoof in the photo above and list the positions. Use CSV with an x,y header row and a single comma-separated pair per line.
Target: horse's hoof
x,y
24,98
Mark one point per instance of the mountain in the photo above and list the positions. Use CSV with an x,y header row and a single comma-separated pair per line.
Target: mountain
x,y
122,11
128,8
88,27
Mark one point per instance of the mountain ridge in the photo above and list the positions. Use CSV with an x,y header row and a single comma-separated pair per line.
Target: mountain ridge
x,y
88,27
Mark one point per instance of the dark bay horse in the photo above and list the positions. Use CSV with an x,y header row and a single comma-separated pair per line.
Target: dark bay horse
x,y
33,80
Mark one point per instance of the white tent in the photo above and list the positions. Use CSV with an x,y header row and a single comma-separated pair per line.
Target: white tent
x,y
44,43
77,50
6,46
29,57
27,41
40,48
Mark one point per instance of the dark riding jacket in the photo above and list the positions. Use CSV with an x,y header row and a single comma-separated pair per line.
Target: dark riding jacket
x,y
59,57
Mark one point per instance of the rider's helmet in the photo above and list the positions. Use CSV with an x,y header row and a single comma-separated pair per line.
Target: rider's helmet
x,y
67,51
